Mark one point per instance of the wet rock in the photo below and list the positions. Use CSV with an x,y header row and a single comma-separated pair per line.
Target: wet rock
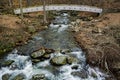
x,y
38,53
81,74
19,77
49,51
46,56
93,74
14,66
75,67
71,60
59,60
7,63
6,77
64,51
36,60
38,77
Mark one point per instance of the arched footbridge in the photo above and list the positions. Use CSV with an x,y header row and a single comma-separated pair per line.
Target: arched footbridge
x,y
59,8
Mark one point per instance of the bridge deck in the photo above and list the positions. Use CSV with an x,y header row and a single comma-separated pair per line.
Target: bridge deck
x,y
60,7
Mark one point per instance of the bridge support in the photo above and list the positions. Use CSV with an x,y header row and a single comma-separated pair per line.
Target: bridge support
x,y
44,10
21,10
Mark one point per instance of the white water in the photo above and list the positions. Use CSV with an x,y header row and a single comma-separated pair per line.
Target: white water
x,y
64,71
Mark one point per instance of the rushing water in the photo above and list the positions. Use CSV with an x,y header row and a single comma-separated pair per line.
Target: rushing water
x,y
57,37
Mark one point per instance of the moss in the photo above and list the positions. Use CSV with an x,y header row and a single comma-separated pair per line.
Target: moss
x,y
6,47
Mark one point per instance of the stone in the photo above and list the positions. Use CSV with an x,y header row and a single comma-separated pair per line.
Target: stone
x,y
59,60
7,63
49,51
36,60
94,75
64,51
13,67
6,77
71,60
75,67
31,29
38,77
38,53
78,21
46,56
81,74
95,30
19,77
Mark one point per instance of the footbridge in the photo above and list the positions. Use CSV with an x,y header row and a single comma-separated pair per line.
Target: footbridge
x,y
59,8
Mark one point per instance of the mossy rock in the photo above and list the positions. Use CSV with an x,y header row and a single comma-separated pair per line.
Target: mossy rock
x,y
38,77
71,60
6,77
36,60
59,60
46,56
38,54
19,77
7,63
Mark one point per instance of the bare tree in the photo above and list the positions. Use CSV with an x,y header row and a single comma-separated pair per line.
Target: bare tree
x,y
28,2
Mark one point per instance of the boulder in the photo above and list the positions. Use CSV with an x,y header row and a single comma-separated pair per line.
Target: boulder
x,y
49,51
7,63
19,77
81,74
6,77
38,53
64,51
94,75
46,56
42,52
75,67
36,60
59,60
71,60
38,77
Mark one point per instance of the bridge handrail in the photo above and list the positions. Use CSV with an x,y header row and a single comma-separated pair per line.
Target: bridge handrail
x,y
62,6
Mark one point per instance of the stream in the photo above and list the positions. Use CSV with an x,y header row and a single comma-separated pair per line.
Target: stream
x,y
59,38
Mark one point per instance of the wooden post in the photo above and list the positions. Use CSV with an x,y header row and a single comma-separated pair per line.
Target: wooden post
x,y
21,10
10,3
44,10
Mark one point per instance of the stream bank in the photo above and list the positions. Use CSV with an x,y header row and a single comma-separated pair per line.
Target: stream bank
x,y
100,39
14,32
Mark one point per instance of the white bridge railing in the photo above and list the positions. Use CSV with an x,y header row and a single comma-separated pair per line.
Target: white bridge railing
x,y
60,7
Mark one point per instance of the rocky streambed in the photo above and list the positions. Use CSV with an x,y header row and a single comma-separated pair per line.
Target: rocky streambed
x,y
52,54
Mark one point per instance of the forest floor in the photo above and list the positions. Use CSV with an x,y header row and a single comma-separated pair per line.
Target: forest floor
x,y
14,32
100,40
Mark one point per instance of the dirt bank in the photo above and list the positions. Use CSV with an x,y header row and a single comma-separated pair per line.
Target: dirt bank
x,y
14,32
100,39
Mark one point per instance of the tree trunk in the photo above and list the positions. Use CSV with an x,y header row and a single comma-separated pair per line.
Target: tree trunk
x,y
28,2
